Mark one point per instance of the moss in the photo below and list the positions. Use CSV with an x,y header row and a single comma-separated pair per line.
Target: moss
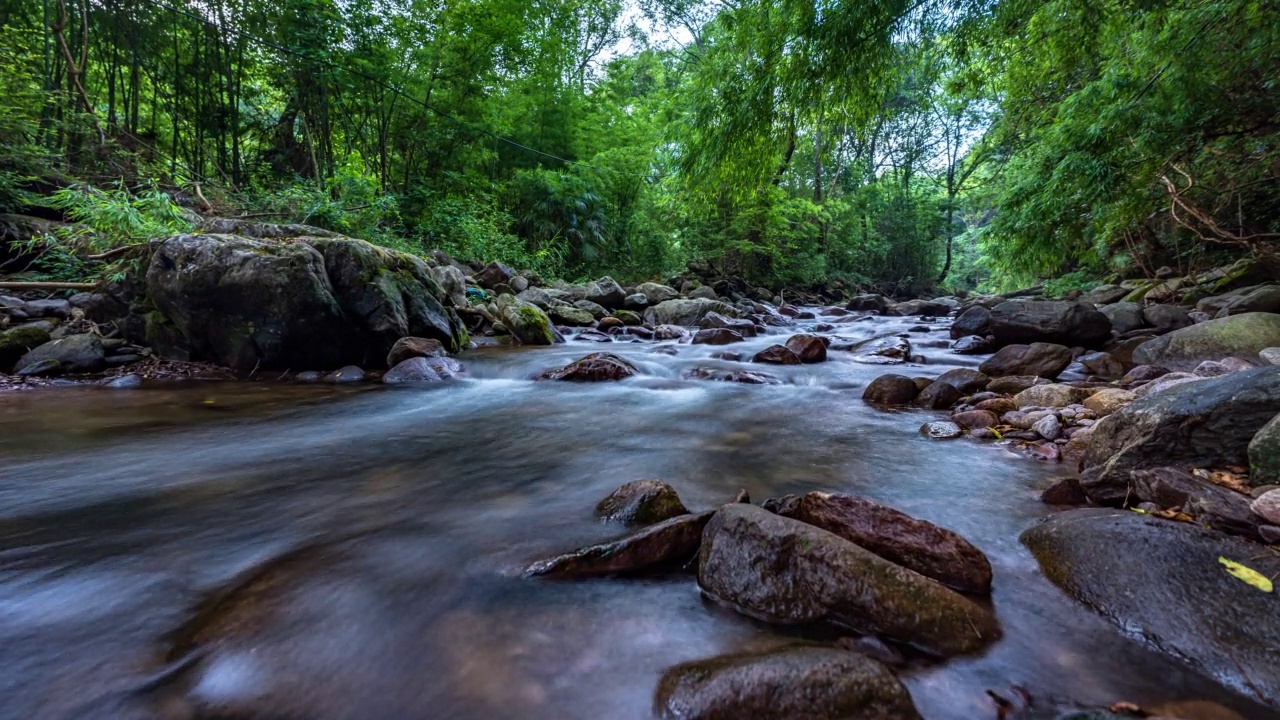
x,y
23,338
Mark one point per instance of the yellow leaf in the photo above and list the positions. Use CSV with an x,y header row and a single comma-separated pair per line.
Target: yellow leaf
x,y
1247,574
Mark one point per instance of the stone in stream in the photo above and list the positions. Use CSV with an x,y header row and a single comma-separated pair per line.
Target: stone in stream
x,y
641,502
915,544
410,347
809,348
657,293
687,313
746,377
974,321
1162,582
596,367
74,354
867,303
890,390
1211,505
941,430
971,345
1014,384
1052,396
1264,454
789,683
776,355
1208,423
975,419
526,321
423,370
563,314
1045,360
966,380
1108,400
716,336
665,545
785,571
1064,492
1032,321
670,332
1242,336
937,395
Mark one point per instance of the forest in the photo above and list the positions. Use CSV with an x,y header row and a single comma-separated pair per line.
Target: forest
x,y
900,145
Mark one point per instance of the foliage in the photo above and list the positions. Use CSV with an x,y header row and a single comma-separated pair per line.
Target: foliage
x,y
109,219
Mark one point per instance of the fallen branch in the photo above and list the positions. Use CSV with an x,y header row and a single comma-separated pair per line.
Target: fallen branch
x,y
116,252
1023,293
48,286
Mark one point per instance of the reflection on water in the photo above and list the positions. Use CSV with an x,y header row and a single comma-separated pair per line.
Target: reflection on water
x,y
362,546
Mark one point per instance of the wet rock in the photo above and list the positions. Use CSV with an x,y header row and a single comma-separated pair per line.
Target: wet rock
x,y
938,396
1065,323
1125,317
52,308
917,545
596,310
1242,336
609,323
885,350
965,380
716,336
1143,373
971,345
1165,382
746,377
1109,400
1065,492
1048,427
1102,365
16,342
686,312
344,375
890,390
670,332
1014,384
1208,423
124,382
1042,359
641,502
785,571
1267,506
593,336
310,376
453,282
868,303
562,314
411,347
919,308
494,274
999,406
657,293
596,367
666,545
784,684
1051,396
1264,454
1166,318
974,419
636,302
941,430
73,354
1168,588
974,321
423,370
776,355
809,348
705,292
628,318
1211,505
526,321
41,368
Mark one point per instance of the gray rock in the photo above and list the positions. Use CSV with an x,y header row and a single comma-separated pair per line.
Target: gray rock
x,y
493,275
562,314
1242,336
1211,505
417,370
920,308
74,354
123,382
1270,356
657,293
1102,365
1164,382
868,303
1125,317
453,283
704,292
785,571
1104,295
1166,318
1264,454
888,390
40,368
1046,360
344,375
796,683
54,308
1265,299
597,310
1267,506
975,320
1168,588
606,292
636,301
1048,427
641,502
687,313
965,380
1065,323
410,347
941,430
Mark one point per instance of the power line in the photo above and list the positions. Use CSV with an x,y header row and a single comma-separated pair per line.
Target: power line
x,y
386,86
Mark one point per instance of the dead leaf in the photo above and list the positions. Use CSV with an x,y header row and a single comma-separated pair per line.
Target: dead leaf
x,y
1125,707
1247,575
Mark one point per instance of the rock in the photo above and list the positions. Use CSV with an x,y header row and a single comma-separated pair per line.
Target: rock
x,y
1048,427
657,293
965,380
596,310
40,368
1109,400
344,375
628,318
1104,295
596,367
998,406
636,302
1143,373
796,683
704,292
1267,506
1051,396
1064,492
641,502
739,376
74,354
1208,423
919,308
562,314
411,347
917,545
938,396
665,545
1102,365
526,321
975,419
971,345
52,308
422,370
16,342
974,321
453,282
890,390
1264,454
606,292
1125,317
1166,318
1218,368
1043,359
670,332
124,382
776,355
781,570
941,430
494,274
1165,382
1168,588
716,336
1265,299
868,303
687,312
1065,323
1242,336
1270,356
1014,384
1211,505
809,348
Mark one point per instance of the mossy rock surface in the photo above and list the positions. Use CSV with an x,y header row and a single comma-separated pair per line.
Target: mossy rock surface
x,y
15,342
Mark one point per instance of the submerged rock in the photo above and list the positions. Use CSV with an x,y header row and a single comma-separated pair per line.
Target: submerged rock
x,y
809,348
915,544
795,683
941,430
423,370
666,545
746,377
641,502
891,390
596,367
776,355
785,571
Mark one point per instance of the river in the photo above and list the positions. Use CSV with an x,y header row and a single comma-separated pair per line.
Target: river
x,y
393,524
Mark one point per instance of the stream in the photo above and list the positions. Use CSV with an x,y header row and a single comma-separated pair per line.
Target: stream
x,y
388,528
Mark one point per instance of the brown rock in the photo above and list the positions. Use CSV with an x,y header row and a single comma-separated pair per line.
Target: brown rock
x,y
809,348
1106,401
938,396
1014,384
776,355
965,380
410,347
1065,492
665,545
999,406
596,367
890,390
1041,359
716,336
641,502
974,419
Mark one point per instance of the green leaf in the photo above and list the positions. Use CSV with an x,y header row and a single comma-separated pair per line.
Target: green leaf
x,y
1247,575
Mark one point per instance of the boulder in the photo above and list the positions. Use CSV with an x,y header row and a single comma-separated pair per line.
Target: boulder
x,y
1048,427
1267,506
1125,317
1051,396
1104,295
1207,423
915,544
1166,318
965,380
666,545
596,367
1064,323
1168,588
1242,336
1270,356
704,292
938,395
1211,505
50,308
631,319
564,314
493,275
641,502
1046,360
411,347
971,345
790,683
975,419
1102,365
1108,400
868,303
1165,382
421,369
1143,373
657,293
809,348
1265,299
1264,454
16,342
73,354
453,283
746,377
607,293
890,390
687,312
1065,492
716,336
785,571
1014,384
596,310
670,332
920,308
776,355
974,321
526,321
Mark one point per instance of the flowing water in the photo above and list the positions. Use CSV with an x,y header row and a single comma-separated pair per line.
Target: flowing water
x,y
367,542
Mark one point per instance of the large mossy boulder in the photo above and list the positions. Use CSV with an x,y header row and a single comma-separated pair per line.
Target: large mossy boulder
x,y
16,342
1163,582
786,571
526,321
72,354
790,683
1208,423
308,303
688,313
1064,323
1241,336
